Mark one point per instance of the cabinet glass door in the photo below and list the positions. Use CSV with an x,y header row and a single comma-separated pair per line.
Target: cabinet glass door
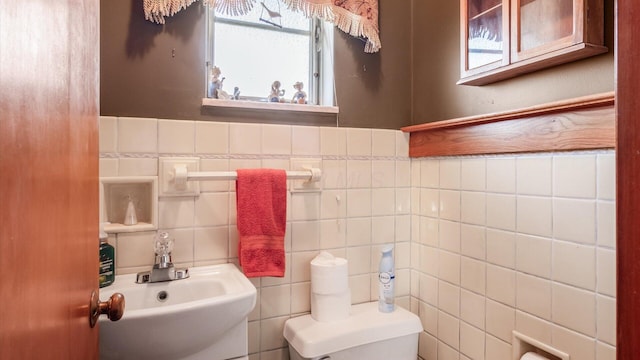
x,y
485,32
541,23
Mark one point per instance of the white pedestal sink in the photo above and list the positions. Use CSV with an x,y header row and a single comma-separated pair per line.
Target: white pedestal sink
x,y
201,317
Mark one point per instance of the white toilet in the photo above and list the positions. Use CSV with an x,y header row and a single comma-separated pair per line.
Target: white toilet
x,y
365,334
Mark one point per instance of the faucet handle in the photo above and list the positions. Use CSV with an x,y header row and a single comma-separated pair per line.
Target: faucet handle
x,y
162,244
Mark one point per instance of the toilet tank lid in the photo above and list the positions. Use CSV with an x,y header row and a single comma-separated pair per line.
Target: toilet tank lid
x,y
365,325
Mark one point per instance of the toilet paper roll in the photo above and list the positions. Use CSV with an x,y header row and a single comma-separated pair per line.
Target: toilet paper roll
x,y
533,356
329,274
330,307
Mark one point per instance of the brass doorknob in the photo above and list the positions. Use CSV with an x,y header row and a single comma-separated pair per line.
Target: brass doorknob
x,y
113,308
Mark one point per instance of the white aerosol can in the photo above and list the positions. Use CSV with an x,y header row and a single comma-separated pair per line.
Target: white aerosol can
x,y
386,279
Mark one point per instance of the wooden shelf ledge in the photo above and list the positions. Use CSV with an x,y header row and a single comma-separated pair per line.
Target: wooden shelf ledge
x,y
576,124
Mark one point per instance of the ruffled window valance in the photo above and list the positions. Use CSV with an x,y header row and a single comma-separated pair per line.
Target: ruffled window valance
x,y
358,18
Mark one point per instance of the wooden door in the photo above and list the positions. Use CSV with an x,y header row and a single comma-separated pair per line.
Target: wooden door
x,y
48,177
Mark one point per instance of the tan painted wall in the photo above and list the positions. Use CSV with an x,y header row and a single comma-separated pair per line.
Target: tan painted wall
x,y
437,68
140,78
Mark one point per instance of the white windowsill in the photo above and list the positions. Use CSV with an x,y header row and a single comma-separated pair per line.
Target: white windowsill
x,y
245,104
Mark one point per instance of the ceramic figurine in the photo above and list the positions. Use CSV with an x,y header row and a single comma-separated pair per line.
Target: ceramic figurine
x,y
276,93
215,83
300,97
236,93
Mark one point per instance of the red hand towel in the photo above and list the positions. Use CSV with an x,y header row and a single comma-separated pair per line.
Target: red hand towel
x,y
261,200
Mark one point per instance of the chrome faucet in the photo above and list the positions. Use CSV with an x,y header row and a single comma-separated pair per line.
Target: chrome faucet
x,y
163,269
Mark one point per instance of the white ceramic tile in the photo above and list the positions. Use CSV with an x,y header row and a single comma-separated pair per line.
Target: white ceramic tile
x,y
605,352
473,174
574,176
574,308
137,167
383,173
533,255
427,346
403,173
501,175
449,205
358,202
533,295
430,173
416,165
358,142
305,235
533,327
429,289
574,220
429,260
402,285
449,236
383,230
606,226
135,249
271,333
358,173
473,275
428,317
533,175
212,138
501,320
402,143
215,165
501,284
403,201
277,354
472,308
416,225
245,138
359,231
449,267
305,206
333,204
446,352
233,241
108,133
211,243
182,246
430,231
108,167
448,329
254,337
276,139
449,298
333,234
383,142
402,253
579,346
176,212
574,264
606,272
334,174
137,135
300,298
497,349
383,201
235,164
606,172
473,208
473,241
301,265
211,209
429,202
534,215
501,211
501,248
305,140
471,342
333,141
606,319
176,136
450,174
360,286
275,301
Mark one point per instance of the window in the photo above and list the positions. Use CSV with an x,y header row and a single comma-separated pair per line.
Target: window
x,y
268,44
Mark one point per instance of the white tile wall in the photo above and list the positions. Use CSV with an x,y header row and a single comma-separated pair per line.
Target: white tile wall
x,y
484,245
537,245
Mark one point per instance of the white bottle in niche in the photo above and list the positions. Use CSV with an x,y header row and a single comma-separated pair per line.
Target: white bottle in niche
x,y
386,279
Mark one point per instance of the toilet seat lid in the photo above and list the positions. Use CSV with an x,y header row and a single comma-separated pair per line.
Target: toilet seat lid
x,y
365,325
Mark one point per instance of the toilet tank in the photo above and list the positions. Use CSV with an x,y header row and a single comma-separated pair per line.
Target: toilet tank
x,y
365,334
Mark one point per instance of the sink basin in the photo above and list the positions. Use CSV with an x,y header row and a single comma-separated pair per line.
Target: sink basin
x,y
201,317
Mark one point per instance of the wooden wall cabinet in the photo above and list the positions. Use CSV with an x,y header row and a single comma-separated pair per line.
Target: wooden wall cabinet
x,y
501,39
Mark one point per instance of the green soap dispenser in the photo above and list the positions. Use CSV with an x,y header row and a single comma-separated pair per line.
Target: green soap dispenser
x,y
107,272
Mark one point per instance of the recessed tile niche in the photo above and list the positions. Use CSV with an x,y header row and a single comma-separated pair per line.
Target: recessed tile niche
x,y
115,195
